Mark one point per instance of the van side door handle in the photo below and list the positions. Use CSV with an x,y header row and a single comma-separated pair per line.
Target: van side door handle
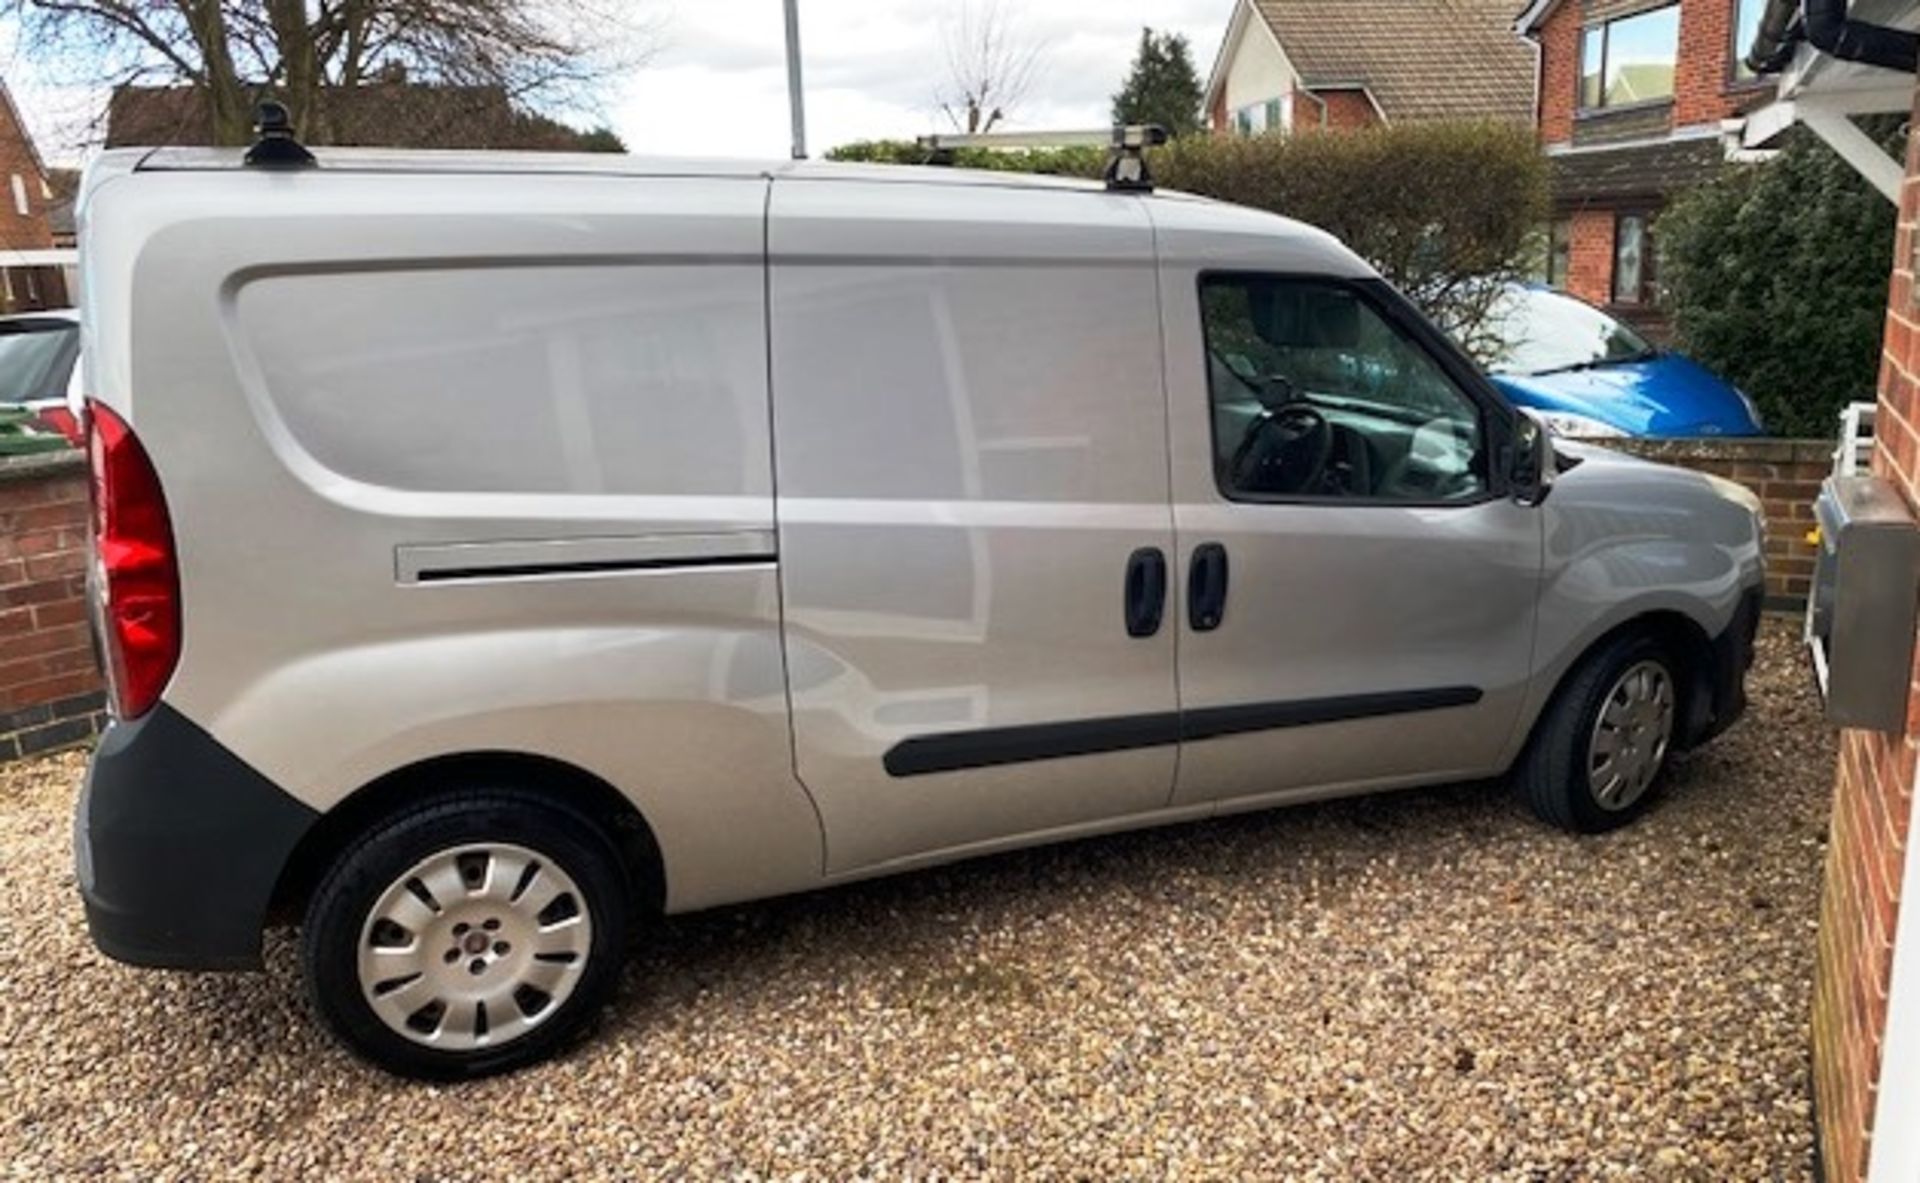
x,y
1207,587
1146,591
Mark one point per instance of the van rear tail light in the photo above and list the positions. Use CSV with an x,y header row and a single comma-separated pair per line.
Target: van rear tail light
x,y
63,421
136,575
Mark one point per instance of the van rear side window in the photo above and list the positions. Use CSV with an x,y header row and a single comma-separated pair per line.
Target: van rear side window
x,y
573,379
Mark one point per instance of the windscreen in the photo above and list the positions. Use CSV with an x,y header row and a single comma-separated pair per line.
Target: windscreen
x,y
1540,331
36,359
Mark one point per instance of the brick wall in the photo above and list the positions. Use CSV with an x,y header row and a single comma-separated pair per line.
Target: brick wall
x,y
29,231
24,289
1347,110
1559,37
1784,474
1704,67
1704,91
50,690
1590,256
1873,794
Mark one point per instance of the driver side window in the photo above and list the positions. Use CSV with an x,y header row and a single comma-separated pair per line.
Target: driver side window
x,y
1315,394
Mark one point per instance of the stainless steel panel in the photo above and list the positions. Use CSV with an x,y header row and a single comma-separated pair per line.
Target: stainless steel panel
x,y
1862,611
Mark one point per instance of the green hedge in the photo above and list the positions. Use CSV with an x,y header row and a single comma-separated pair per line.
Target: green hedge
x,y
1776,276
19,438
1068,162
1446,211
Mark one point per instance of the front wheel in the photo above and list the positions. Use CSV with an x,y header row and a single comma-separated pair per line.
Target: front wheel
x,y
471,934
1601,748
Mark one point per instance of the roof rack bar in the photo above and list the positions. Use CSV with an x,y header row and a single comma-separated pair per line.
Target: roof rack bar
x,y
1126,169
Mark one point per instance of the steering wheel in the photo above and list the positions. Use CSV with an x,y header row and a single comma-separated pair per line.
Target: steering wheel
x,y
1285,450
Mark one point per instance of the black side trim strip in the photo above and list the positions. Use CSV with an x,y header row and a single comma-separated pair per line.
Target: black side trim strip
x,y
952,751
1211,722
590,567
1036,741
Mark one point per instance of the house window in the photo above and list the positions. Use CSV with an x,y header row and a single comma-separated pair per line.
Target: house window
x,y
1559,252
1258,117
1633,263
1630,60
1746,26
1593,52
20,196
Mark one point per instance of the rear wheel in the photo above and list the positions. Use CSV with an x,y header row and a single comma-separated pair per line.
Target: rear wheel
x,y
470,934
1601,748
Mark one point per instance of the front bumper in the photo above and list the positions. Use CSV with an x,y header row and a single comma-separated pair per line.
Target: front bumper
x,y
1725,679
178,846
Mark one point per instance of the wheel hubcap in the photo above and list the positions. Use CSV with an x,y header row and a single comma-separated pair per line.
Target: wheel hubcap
x,y
1630,736
474,946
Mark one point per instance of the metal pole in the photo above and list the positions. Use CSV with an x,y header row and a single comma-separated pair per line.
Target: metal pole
x,y
794,101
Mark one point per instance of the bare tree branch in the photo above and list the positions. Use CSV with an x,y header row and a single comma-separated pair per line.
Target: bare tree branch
x,y
991,64
311,52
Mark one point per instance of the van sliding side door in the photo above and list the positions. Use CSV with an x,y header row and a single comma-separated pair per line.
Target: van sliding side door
x,y
971,465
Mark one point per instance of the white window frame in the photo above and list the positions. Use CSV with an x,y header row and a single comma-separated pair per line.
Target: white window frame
x,y
20,205
1274,114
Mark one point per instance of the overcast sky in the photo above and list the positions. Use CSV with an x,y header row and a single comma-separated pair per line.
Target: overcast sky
x,y
715,84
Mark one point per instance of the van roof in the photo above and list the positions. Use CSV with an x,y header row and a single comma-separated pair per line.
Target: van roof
x,y
409,160
1229,228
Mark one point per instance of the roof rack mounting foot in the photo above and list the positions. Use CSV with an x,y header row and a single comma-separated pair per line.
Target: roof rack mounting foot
x,y
276,147
1126,169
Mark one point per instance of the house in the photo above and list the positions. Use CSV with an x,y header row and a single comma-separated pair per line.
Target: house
x,y
1291,65
64,183
390,112
1632,94
29,279
1834,63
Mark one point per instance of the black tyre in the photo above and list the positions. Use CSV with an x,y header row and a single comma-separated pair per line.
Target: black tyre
x,y
1604,743
472,933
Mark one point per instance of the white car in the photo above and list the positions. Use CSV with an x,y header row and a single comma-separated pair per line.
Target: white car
x,y
39,371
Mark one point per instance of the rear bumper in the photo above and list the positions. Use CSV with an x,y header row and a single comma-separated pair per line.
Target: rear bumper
x,y
178,846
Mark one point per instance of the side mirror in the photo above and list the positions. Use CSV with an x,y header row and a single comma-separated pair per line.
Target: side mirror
x,y
1530,475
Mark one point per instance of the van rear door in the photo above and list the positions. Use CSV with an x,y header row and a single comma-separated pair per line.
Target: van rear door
x,y
971,471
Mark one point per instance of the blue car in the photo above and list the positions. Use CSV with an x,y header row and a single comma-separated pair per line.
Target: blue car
x,y
1586,374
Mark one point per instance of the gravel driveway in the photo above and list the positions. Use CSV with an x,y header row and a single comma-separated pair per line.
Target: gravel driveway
x,y
1426,985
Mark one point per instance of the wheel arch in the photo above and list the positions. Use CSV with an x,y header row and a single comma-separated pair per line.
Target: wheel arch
x,y
565,784
1677,633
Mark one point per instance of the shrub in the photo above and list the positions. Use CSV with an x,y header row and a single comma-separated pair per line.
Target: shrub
x,y
1069,162
1776,276
1448,212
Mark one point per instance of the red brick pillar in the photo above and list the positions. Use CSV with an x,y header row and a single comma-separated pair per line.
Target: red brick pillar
x,y
1590,256
1873,798
50,693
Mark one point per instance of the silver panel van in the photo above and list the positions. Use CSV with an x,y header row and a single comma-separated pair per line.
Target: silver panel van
x,y
494,550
